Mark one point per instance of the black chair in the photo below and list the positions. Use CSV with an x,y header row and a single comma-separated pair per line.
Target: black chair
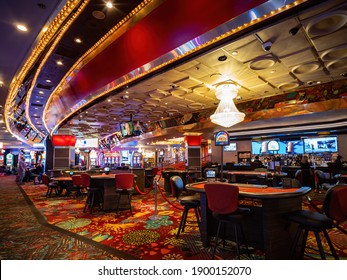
x,y
333,168
188,202
51,186
333,213
305,177
222,200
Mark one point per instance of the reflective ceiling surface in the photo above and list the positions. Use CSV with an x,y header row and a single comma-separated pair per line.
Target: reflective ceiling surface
x,y
305,49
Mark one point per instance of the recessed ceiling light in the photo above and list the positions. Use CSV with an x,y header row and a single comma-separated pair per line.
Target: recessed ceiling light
x,y
22,27
109,4
78,40
234,53
48,81
59,62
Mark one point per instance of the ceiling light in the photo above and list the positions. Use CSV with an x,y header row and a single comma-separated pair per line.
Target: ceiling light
x,y
78,40
48,81
109,4
227,114
59,62
22,27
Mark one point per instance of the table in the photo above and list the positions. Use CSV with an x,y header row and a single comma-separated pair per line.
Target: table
x,y
234,175
167,174
265,227
108,185
64,182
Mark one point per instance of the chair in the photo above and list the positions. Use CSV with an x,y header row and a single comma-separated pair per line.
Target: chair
x,y
50,185
222,200
333,213
94,194
333,168
188,202
321,181
305,177
125,186
77,184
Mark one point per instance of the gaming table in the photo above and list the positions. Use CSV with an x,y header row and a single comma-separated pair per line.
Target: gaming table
x,y
266,229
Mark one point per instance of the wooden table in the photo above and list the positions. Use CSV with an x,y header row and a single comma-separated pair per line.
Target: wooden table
x,y
64,182
108,184
265,227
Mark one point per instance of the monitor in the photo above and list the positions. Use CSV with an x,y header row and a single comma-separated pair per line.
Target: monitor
x,y
231,147
211,173
321,145
107,170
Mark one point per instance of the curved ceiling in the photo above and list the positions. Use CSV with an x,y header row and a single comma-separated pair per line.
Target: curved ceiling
x,y
304,52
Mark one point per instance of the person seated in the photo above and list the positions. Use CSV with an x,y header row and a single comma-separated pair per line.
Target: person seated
x,y
339,163
257,163
305,164
28,175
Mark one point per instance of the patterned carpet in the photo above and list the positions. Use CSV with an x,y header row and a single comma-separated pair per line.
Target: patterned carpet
x,y
36,227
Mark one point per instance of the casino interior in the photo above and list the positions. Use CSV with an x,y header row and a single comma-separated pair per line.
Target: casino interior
x,y
148,105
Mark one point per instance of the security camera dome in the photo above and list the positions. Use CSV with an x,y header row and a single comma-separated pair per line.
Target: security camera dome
x,y
267,46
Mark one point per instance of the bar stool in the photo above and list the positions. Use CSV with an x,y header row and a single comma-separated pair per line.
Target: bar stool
x,y
94,195
125,186
188,202
51,186
222,200
334,212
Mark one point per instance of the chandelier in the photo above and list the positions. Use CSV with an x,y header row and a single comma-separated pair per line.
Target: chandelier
x,y
227,114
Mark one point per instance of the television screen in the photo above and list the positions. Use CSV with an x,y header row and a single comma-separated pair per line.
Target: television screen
x,y
284,147
211,173
127,129
295,147
273,145
230,147
321,145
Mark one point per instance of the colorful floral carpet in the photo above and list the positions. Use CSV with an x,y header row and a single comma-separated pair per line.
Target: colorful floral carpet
x,y
148,234
65,232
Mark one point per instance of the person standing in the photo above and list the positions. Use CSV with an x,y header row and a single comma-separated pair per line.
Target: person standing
x,y
21,170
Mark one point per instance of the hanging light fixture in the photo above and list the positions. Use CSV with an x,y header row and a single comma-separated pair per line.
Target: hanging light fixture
x,y
227,114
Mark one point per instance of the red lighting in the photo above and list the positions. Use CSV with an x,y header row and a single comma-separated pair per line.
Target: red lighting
x,y
64,140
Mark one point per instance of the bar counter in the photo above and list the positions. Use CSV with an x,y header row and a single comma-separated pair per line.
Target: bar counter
x,y
265,227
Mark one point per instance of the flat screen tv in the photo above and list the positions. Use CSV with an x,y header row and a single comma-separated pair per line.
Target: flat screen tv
x,y
211,173
284,147
231,147
321,145
127,129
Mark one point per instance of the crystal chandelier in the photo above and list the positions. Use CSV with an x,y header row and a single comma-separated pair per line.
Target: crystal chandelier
x,y
227,114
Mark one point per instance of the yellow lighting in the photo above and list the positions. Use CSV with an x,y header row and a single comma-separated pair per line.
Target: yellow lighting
x,y
22,27
109,4
227,114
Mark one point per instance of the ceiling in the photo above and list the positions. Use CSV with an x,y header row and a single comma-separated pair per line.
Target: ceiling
x,y
301,51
